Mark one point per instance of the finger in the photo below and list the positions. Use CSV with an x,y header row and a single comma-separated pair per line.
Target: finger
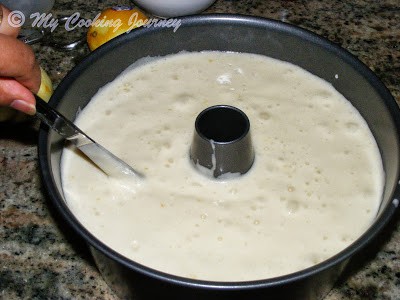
x,y
5,27
15,95
17,61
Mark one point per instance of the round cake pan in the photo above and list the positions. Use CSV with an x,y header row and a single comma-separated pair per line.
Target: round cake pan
x,y
240,34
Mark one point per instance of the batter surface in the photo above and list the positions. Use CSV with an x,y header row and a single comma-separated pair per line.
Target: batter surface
x,y
314,188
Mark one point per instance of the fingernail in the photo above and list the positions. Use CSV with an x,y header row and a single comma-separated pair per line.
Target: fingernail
x,y
23,106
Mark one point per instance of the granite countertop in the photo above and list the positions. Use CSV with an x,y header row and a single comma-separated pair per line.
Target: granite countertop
x,y
40,259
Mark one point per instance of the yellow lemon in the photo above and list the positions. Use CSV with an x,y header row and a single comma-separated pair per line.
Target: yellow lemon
x,y
113,22
46,86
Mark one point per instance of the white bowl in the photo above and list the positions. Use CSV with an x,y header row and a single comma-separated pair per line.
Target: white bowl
x,y
173,8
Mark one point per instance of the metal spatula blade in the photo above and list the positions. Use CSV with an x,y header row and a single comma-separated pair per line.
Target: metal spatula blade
x,y
104,159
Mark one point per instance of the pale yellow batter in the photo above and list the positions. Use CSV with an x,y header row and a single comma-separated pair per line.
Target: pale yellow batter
x,y
314,188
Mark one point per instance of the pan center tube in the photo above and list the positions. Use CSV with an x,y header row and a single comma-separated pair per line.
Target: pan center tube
x,y
221,145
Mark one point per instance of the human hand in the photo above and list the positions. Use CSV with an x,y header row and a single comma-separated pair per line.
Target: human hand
x,y
19,71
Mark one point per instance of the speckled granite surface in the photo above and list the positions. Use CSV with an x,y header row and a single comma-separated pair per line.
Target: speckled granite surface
x,y
40,259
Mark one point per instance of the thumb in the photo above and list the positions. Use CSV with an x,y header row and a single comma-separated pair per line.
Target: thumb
x,y
17,96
